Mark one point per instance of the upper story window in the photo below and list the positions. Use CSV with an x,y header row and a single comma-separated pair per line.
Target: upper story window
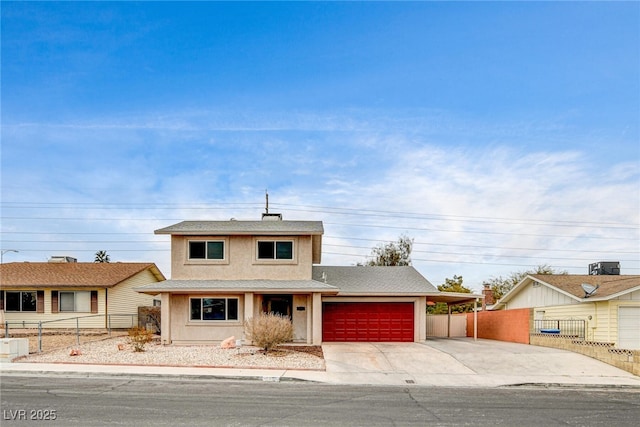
x,y
275,250
206,249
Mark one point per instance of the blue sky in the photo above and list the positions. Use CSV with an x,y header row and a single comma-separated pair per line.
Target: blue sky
x,y
500,136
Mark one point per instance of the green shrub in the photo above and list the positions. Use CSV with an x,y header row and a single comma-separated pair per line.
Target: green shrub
x,y
267,330
139,337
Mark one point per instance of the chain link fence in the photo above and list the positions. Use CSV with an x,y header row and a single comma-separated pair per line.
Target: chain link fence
x,y
51,334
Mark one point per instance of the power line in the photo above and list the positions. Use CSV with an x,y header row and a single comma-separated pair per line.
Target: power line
x,y
328,210
481,246
386,226
478,231
476,254
449,261
326,237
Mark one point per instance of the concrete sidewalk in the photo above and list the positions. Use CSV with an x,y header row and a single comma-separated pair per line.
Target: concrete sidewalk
x,y
460,362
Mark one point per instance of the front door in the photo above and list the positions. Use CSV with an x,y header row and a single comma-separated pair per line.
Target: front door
x,y
278,304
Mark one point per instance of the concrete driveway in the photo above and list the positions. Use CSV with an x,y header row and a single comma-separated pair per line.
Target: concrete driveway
x,y
460,362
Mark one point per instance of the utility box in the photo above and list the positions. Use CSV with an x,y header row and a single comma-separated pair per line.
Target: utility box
x,y
10,348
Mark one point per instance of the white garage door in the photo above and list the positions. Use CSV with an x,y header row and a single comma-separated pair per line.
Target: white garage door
x,y
629,328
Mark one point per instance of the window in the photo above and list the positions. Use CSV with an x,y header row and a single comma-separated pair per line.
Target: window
x,y
75,301
214,309
275,250
201,249
21,301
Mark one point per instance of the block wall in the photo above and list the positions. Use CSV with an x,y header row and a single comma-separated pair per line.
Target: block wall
x,y
503,325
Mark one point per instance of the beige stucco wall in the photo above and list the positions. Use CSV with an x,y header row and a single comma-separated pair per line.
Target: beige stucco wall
x,y
299,316
240,261
177,328
186,331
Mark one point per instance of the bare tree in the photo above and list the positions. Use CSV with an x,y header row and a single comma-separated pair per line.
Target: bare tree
x,y
393,253
501,285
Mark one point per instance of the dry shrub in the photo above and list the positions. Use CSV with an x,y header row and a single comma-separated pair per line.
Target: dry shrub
x,y
139,337
267,330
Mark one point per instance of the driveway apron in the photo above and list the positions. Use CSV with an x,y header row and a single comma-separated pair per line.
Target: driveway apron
x,y
460,362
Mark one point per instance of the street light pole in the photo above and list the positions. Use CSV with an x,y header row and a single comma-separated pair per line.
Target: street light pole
x,y
4,251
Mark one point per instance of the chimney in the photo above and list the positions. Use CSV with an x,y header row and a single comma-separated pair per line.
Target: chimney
x,y
271,217
488,296
266,216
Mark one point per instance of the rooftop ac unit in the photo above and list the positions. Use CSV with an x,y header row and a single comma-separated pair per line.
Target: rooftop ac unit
x,y
604,268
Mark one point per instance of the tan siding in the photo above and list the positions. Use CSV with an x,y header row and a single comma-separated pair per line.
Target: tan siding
x,y
598,327
613,317
61,320
538,296
124,301
633,296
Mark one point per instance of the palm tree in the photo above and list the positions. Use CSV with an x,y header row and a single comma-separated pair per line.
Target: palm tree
x,y
101,256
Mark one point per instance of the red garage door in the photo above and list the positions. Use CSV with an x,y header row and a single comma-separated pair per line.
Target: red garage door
x,y
368,322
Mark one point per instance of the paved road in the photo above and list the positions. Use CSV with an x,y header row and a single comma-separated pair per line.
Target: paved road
x,y
141,402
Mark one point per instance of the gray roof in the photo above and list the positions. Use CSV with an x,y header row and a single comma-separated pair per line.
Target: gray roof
x,y
367,280
290,286
244,227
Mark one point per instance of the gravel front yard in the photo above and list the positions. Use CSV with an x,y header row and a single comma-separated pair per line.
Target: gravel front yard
x,y
107,352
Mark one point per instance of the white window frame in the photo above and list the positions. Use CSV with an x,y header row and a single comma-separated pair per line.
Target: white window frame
x,y
226,309
75,302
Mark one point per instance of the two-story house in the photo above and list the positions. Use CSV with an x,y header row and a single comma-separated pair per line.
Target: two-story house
x,y
223,272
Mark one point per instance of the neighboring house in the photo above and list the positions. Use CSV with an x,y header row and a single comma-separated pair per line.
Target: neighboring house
x,y
31,292
224,272
611,313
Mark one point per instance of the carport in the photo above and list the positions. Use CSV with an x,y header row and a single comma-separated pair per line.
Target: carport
x,y
458,298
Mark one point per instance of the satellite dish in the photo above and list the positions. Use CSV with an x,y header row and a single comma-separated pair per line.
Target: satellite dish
x,y
589,289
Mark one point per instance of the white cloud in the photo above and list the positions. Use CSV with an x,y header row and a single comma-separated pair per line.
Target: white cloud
x,y
473,203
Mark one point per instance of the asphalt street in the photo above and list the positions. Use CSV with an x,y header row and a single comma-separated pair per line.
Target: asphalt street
x,y
57,400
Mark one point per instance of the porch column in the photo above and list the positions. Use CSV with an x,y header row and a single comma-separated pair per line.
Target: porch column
x,y
248,307
317,318
448,321
308,302
165,318
475,321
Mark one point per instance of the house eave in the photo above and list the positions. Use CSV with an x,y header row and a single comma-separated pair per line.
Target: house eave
x,y
235,291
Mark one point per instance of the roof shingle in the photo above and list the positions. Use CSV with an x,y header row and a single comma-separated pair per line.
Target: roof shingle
x,y
608,284
237,285
373,280
81,274
216,228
